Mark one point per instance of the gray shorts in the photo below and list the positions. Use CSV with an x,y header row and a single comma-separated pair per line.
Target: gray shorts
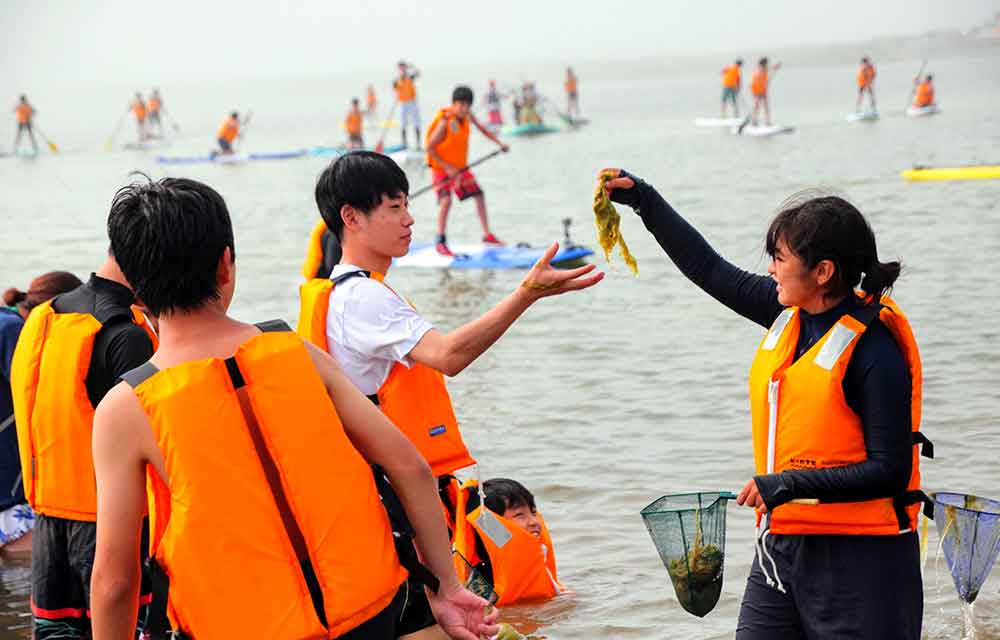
x,y
729,94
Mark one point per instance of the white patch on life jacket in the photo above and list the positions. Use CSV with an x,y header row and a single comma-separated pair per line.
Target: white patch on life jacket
x,y
839,339
777,329
492,528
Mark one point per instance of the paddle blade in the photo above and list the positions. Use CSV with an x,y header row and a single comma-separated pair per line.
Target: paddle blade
x,y
52,147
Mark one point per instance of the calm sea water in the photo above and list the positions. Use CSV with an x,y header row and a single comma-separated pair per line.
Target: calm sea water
x,y
602,401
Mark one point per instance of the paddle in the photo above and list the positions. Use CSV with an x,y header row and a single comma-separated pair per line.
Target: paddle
x,y
173,123
114,134
428,187
380,145
52,146
916,81
770,77
243,128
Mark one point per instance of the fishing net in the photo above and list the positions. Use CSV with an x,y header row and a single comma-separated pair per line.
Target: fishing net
x,y
608,225
689,531
969,528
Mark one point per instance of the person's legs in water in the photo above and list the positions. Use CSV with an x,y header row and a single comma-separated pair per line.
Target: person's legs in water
x,y
871,97
17,137
767,110
756,110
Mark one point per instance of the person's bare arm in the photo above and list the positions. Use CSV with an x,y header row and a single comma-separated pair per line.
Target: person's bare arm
x,y
119,466
436,138
489,134
451,353
459,612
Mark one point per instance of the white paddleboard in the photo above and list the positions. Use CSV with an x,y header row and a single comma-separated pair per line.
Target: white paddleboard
x,y
408,157
860,116
917,112
718,122
762,130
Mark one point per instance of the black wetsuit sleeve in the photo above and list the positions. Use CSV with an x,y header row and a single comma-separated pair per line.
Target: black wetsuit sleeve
x,y
118,348
751,295
877,387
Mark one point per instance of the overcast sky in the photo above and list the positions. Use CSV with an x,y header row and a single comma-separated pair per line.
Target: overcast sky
x,y
112,41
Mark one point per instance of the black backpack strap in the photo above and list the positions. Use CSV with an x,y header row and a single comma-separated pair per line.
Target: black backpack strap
x,y
273,326
350,274
140,374
402,532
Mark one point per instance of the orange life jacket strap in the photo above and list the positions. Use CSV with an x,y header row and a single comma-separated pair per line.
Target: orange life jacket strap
x,y
273,476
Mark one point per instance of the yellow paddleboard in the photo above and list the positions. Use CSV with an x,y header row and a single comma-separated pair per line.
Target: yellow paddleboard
x,y
981,172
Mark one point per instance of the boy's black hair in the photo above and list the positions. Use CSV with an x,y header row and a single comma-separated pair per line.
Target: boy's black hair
x,y
462,93
167,238
360,179
504,493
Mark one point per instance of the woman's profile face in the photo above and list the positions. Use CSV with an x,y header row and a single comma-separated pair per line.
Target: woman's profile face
x,y
796,283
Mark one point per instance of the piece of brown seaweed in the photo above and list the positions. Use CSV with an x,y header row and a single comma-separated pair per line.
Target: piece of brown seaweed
x,y
608,225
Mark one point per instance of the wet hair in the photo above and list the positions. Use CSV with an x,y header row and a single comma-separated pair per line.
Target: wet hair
x,y
762,61
168,237
235,114
739,62
24,97
462,93
43,288
504,493
360,179
825,227
865,59
354,101
930,78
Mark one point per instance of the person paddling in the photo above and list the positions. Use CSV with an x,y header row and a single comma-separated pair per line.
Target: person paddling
x,y
866,84
760,83
732,79
277,506
138,108
371,104
924,95
154,106
571,84
24,115
448,155
406,96
835,413
493,100
354,124
228,131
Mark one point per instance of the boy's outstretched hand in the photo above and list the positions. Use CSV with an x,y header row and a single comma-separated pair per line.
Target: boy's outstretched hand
x,y
545,280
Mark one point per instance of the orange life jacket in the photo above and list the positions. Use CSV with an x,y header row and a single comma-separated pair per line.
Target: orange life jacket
x,y
570,84
415,399
758,83
523,567
353,123
266,503
139,110
370,99
925,95
406,91
454,149
790,401
731,76
154,104
314,252
229,129
23,113
53,414
866,75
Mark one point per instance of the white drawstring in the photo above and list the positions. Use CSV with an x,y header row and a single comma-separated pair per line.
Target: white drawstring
x,y
763,545
760,554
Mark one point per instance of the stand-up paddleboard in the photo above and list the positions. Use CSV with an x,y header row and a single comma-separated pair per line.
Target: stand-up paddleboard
x,y
573,122
862,116
407,156
760,130
481,256
335,152
231,158
969,172
718,122
532,129
919,112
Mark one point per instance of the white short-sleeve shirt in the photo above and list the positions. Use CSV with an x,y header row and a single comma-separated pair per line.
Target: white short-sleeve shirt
x,y
369,329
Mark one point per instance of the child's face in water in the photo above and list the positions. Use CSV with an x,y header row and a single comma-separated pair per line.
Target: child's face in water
x,y
525,517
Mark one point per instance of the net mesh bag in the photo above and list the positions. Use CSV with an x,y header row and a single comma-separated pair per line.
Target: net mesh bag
x,y
689,531
969,528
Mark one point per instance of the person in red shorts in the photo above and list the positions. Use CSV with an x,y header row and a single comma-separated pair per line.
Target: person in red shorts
x,y
448,155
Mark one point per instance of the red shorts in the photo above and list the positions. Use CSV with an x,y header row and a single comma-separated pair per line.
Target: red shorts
x,y
464,185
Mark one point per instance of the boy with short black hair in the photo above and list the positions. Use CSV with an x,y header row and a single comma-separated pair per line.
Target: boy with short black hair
x,y
510,499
